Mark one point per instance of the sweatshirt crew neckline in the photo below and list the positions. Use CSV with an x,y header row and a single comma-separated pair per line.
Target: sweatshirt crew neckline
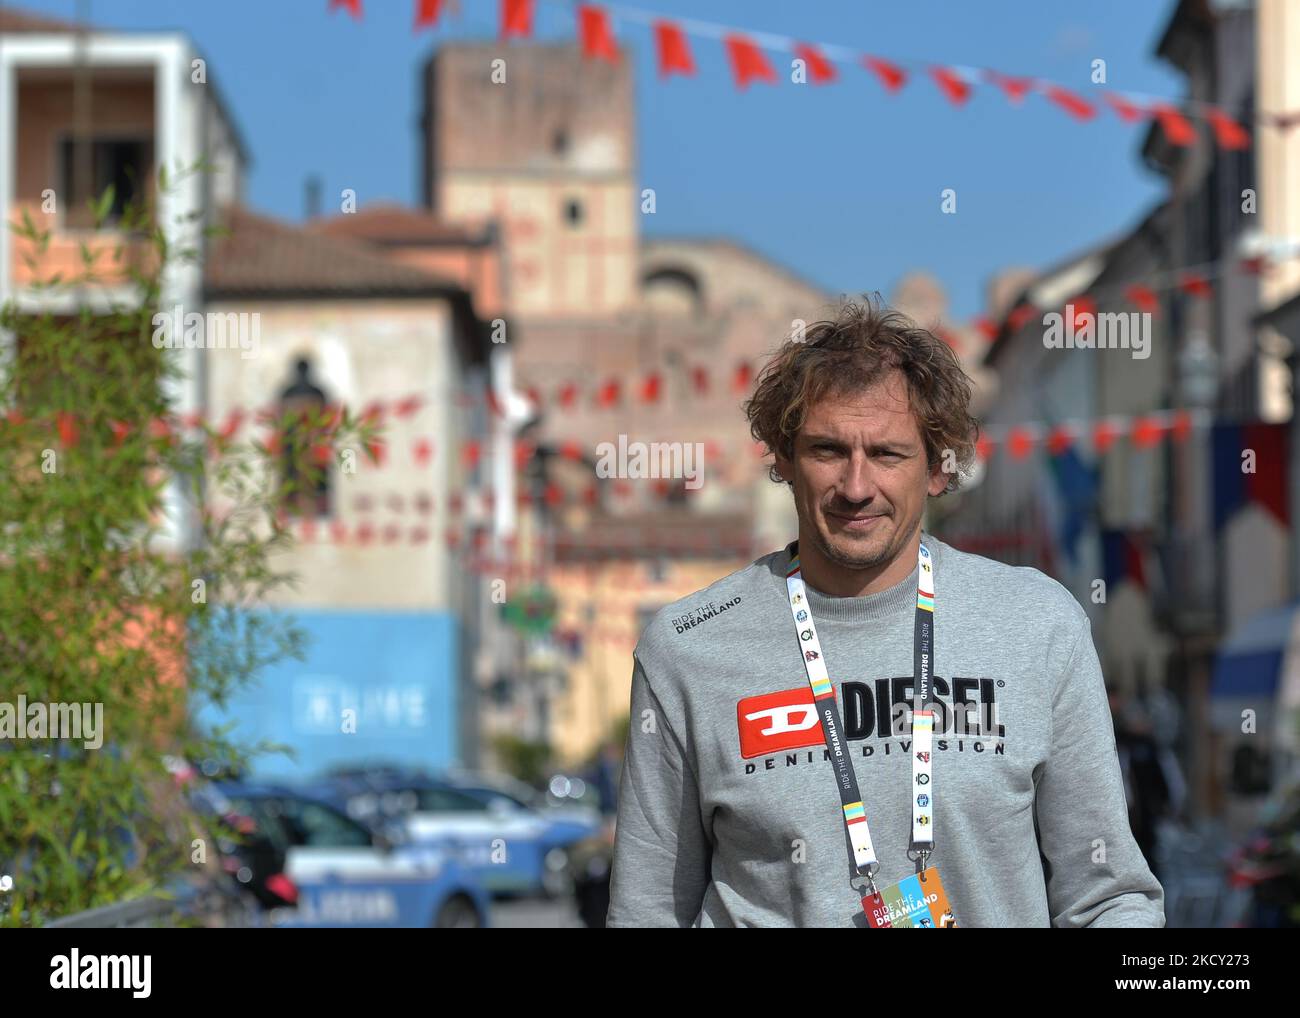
x,y
883,604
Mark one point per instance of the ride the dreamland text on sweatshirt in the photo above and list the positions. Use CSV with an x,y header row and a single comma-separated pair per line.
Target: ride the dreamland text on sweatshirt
x,y
728,811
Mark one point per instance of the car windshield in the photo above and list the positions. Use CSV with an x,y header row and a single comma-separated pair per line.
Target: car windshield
x,y
437,799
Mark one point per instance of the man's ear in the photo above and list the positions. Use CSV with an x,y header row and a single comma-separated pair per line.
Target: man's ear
x,y
784,467
938,479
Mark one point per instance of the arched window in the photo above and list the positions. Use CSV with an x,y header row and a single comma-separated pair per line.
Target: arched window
x,y
673,289
300,401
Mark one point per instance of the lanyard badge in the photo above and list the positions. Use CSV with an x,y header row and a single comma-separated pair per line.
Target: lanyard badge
x,y
918,901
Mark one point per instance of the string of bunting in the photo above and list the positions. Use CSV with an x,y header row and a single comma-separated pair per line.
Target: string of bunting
x,y
1018,440
1197,282
746,51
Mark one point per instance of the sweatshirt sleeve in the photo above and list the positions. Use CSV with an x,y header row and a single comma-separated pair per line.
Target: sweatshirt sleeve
x,y
661,852
1096,874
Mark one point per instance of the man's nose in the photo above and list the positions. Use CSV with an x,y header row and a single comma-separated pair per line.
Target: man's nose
x,y
858,482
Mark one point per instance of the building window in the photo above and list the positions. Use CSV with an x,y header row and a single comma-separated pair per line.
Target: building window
x,y
573,211
89,166
560,142
302,398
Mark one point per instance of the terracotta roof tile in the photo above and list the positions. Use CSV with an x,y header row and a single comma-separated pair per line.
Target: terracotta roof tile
x,y
264,256
13,20
397,224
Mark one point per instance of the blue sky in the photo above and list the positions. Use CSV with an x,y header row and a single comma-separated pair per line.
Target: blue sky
x,y
839,183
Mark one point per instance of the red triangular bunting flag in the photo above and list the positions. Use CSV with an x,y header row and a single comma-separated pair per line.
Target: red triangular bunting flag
x,y
608,394
1075,105
1059,439
747,61
651,388
426,13
1103,436
516,18
674,54
408,406
1020,443
231,427
353,7
523,453
1020,315
1195,285
1143,297
597,39
1177,128
423,450
820,70
744,375
700,379
951,84
1146,432
67,425
1227,131
891,76
1015,88
1125,110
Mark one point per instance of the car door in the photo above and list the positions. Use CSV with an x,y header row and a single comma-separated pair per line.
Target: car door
x,y
343,877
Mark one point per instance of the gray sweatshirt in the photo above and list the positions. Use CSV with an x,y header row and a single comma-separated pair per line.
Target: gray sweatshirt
x,y
728,811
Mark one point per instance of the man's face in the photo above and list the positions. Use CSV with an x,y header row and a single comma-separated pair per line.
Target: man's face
x,y
860,474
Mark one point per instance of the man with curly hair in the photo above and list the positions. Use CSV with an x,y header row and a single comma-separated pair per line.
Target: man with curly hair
x,y
870,727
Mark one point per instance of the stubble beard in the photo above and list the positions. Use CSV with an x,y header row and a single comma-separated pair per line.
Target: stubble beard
x,y
853,559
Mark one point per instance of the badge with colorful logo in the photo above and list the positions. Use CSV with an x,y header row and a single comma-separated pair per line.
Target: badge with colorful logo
x,y
915,903
802,616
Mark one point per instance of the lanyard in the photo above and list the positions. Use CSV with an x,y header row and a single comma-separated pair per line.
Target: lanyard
x,y
814,662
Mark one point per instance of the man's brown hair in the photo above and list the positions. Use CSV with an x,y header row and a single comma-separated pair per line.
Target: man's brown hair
x,y
853,352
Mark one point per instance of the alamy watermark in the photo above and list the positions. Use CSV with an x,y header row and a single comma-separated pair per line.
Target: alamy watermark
x,y
83,721
1107,331
75,971
214,330
638,460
